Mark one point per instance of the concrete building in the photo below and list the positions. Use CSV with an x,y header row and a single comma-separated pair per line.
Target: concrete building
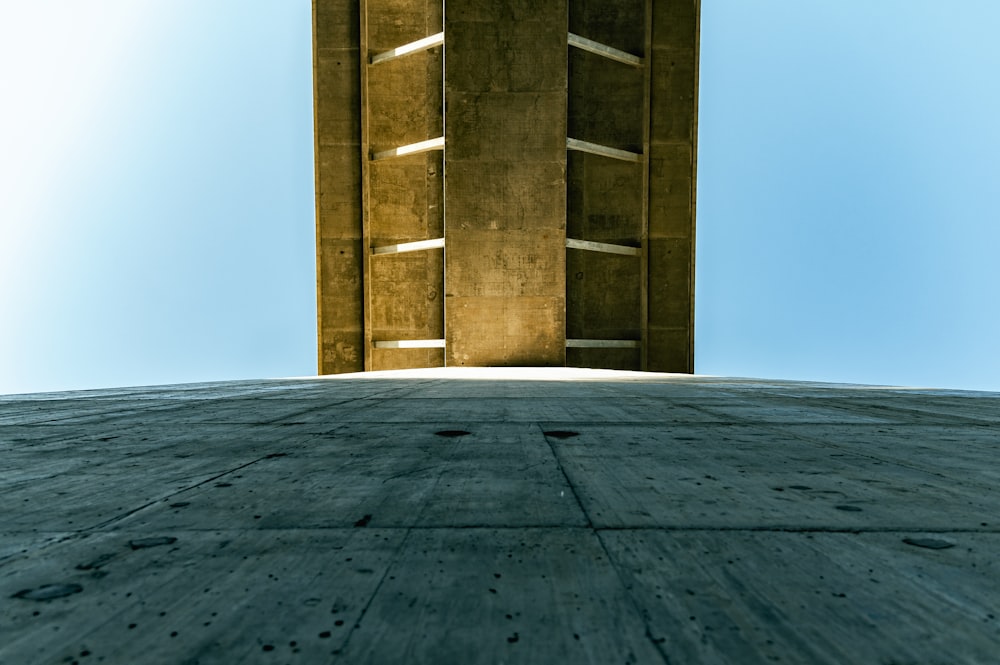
x,y
469,514
544,515
505,182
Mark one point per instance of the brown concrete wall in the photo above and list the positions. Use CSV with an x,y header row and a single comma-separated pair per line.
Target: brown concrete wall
x,y
404,195
505,159
339,244
672,161
505,92
605,196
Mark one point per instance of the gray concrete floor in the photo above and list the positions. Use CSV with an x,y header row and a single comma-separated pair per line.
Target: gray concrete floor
x,y
585,517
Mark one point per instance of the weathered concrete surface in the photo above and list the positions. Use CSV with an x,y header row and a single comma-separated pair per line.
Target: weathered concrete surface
x,y
506,91
401,104
672,150
586,516
339,231
505,156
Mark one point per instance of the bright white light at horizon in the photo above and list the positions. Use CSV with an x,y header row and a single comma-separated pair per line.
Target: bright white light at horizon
x,y
510,374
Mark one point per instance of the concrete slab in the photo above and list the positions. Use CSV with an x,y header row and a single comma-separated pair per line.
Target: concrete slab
x,y
220,596
737,477
812,598
513,93
500,515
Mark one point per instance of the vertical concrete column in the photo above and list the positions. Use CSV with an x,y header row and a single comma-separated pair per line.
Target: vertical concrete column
x,y
672,149
452,225
337,109
505,187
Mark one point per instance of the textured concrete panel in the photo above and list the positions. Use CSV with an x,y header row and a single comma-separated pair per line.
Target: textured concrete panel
x,y
404,194
672,146
619,24
407,295
514,515
510,56
508,13
393,23
385,359
603,294
673,86
817,598
606,100
670,287
509,264
506,331
521,127
226,611
335,23
604,199
337,119
341,335
475,480
342,350
340,308
758,476
506,99
671,193
339,181
404,100
603,358
340,262
458,586
670,349
337,101
675,23
406,199
510,195
971,451
505,95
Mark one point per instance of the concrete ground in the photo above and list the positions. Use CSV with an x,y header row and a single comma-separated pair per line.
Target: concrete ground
x,y
507,516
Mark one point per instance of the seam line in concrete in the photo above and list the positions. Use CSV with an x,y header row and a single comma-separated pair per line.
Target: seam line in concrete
x,y
569,483
129,513
636,606
378,587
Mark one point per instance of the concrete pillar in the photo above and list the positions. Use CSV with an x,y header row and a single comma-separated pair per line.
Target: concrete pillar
x,y
339,253
506,182
505,160
673,136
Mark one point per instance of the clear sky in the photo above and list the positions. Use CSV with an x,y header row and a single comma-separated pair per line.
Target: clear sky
x,y
156,192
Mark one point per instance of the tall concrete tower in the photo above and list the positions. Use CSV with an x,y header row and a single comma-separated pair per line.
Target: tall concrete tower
x,y
505,182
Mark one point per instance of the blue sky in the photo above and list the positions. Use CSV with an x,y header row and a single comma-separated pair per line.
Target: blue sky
x,y
156,192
